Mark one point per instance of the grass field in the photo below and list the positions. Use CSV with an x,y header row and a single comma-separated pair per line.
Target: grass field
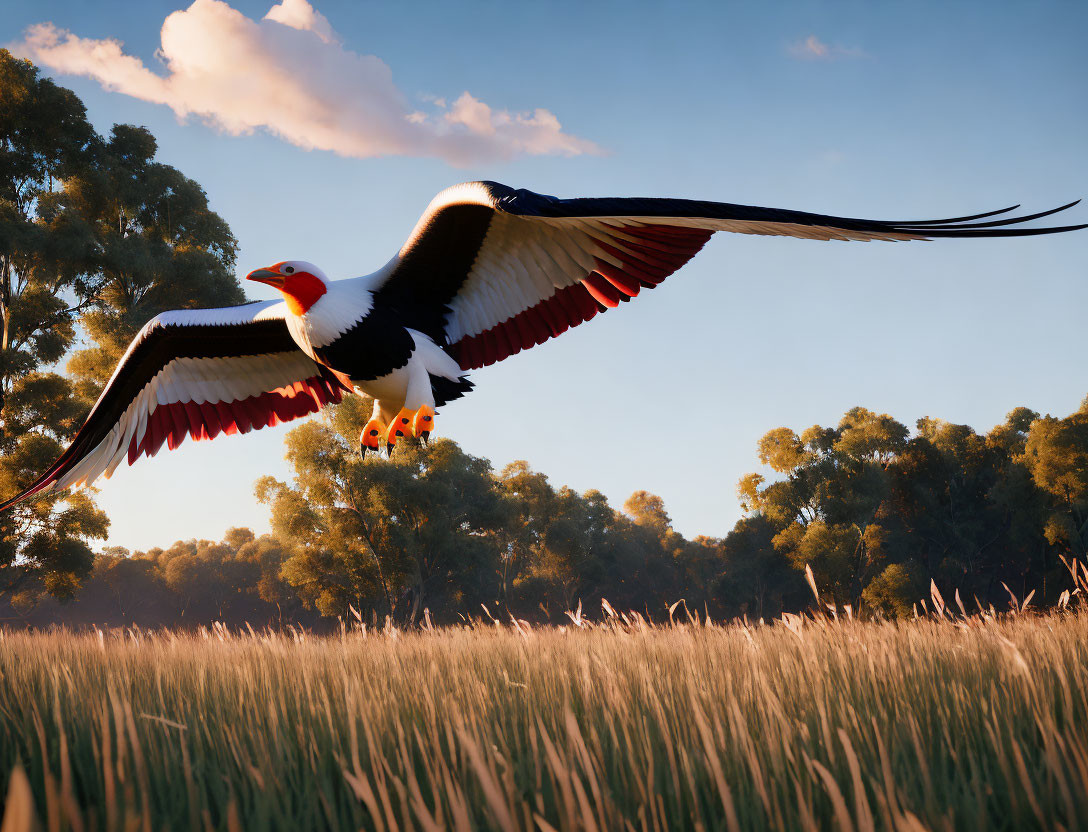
x,y
927,724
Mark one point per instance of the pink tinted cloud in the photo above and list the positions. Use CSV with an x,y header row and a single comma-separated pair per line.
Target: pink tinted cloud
x,y
290,75
814,49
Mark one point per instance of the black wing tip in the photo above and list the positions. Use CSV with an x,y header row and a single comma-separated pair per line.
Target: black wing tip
x,y
994,228
967,218
1000,232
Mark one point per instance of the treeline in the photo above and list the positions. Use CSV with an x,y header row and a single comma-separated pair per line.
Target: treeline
x,y
875,512
878,514
431,530
194,582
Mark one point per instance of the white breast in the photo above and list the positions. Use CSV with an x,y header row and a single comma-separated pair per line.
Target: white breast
x,y
345,304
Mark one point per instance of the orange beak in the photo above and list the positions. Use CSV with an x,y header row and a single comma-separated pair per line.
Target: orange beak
x,y
270,276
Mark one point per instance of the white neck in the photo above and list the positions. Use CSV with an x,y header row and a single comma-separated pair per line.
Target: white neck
x,y
345,303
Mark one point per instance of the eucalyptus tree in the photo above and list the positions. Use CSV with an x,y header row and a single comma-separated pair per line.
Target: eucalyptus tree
x,y
421,530
827,508
95,236
159,246
964,512
48,275
1055,453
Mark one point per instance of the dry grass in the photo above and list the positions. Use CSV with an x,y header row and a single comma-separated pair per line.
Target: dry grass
x,y
931,724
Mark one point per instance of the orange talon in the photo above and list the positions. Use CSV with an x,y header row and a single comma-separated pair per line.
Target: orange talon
x,y
371,437
400,427
423,423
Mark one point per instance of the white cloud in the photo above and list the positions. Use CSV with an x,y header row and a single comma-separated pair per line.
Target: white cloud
x,y
473,114
298,14
814,49
290,75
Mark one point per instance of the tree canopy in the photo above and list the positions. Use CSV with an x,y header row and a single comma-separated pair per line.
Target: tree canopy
x,y
436,529
874,510
877,513
96,237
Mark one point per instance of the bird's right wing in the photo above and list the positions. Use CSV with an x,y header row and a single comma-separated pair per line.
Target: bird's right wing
x,y
198,372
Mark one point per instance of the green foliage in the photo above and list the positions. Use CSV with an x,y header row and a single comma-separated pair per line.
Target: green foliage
x,y
46,251
412,532
756,578
873,511
782,450
194,582
94,234
160,246
1056,455
826,509
435,529
876,513
46,255
648,510
894,591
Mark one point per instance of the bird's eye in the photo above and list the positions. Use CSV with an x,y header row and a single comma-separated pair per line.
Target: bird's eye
x,y
288,269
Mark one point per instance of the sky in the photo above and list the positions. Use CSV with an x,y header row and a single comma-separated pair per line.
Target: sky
x,y
321,132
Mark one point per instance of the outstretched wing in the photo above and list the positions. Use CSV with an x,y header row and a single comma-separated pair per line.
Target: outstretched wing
x,y
490,271
193,373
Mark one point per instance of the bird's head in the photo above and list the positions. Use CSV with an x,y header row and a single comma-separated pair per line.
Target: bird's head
x,y
302,283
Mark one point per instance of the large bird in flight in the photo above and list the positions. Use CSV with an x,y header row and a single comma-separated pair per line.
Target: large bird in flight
x,y
488,272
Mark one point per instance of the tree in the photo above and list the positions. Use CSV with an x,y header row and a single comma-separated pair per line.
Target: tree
x,y
877,514
756,578
964,510
47,276
674,566
648,510
827,509
894,591
531,499
1055,453
434,528
192,583
46,253
133,584
267,554
580,548
418,530
93,232
572,550
160,247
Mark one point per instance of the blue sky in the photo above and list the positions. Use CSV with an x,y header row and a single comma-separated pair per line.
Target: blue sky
x,y
890,111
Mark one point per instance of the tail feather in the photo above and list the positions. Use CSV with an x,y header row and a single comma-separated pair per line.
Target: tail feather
x,y
446,390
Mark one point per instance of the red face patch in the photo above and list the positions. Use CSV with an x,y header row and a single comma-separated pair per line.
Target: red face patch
x,y
301,291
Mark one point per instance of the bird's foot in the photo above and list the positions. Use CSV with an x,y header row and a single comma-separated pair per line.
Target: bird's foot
x,y
400,427
371,437
423,422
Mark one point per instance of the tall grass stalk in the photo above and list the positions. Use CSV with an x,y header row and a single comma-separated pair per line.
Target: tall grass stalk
x,y
931,724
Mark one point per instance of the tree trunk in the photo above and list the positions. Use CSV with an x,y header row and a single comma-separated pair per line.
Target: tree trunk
x,y
5,338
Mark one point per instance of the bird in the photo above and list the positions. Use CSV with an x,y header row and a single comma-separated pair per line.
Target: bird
x,y
487,272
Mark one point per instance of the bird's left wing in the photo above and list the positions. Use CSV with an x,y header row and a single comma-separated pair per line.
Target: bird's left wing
x,y
195,373
490,270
